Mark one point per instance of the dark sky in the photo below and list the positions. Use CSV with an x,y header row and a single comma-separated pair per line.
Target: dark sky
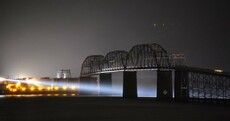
x,y
39,37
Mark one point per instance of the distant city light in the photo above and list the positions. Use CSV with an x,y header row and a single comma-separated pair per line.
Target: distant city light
x,y
73,87
56,88
40,88
23,89
73,94
64,87
32,89
14,90
48,88
218,70
2,79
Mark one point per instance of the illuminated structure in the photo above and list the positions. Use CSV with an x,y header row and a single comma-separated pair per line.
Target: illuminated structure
x,y
64,73
189,82
39,86
140,57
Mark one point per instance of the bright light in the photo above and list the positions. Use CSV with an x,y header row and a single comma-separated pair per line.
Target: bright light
x,y
73,94
33,81
23,89
103,89
31,88
64,87
2,79
64,94
56,88
218,70
40,88
48,88
14,90
8,86
73,87
18,84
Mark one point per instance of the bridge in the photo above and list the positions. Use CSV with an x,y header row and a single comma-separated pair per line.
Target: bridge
x,y
189,82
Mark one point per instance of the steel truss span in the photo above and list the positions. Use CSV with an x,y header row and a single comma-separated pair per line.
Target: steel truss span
x,y
92,64
147,56
115,60
143,56
190,83
198,84
208,86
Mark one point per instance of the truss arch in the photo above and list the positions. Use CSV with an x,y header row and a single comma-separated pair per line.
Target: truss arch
x,y
92,64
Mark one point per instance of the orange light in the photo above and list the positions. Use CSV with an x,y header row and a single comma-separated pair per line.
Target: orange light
x,y
48,88
73,94
64,87
31,88
39,88
14,90
18,84
56,88
23,89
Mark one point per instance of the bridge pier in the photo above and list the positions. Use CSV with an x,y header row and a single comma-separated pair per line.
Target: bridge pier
x,y
130,84
88,86
181,85
105,84
164,84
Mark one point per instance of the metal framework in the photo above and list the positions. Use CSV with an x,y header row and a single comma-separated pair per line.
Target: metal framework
x,y
115,60
92,64
143,56
208,86
203,84
190,83
147,56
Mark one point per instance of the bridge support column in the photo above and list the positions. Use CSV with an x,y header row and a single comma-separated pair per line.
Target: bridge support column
x,y
164,84
105,84
130,84
88,86
181,90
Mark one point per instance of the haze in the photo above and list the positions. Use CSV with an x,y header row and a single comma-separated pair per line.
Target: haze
x,y
39,37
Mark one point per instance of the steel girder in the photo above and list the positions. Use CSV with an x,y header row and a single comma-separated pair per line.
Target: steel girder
x,y
208,86
92,64
115,60
143,56
147,56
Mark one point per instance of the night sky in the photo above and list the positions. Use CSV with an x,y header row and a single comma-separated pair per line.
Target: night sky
x,y
39,37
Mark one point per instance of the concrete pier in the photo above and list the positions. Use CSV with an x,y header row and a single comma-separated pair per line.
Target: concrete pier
x,y
130,84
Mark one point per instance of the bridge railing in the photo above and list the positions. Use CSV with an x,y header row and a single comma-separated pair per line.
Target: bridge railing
x,y
208,86
201,84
